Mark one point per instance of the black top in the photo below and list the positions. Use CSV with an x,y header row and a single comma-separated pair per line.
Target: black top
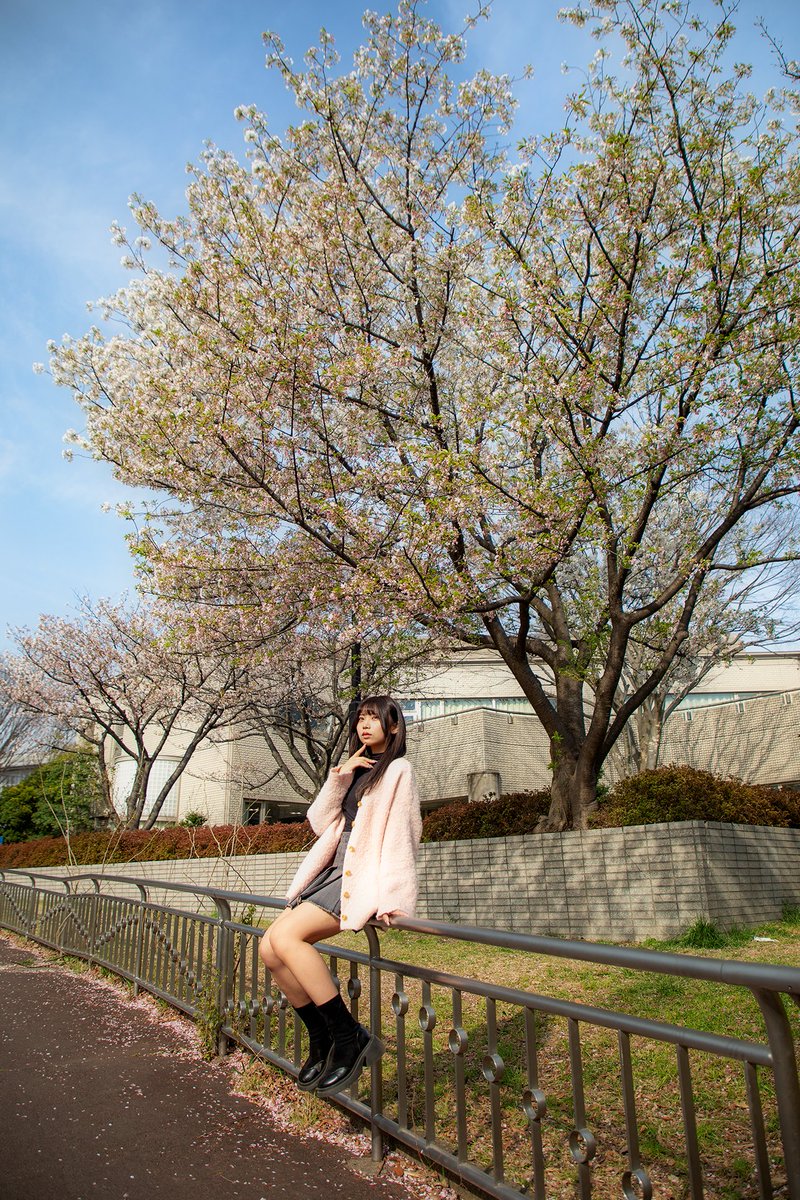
x,y
350,802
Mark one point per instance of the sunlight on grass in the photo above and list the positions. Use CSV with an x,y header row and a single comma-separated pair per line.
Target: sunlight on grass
x,y
723,1125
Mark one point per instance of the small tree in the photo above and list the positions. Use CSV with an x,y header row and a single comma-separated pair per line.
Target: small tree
x,y
310,657
125,680
757,609
21,732
58,798
307,724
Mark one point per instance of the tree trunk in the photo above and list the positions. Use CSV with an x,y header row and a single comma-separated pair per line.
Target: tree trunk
x,y
137,797
650,724
573,791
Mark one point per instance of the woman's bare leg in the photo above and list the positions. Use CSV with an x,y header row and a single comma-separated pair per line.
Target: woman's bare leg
x,y
287,950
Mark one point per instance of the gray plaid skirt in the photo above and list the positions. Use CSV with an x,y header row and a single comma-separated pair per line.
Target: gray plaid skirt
x,y
326,889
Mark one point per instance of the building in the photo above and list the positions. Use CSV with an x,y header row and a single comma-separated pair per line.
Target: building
x,y
16,772
472,732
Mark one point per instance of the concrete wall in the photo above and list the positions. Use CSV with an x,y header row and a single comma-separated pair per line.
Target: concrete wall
x,y
204,785
464,673
447,750
756,740
482,673
255,774
605,884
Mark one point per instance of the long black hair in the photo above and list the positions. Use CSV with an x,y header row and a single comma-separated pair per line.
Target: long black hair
x,y
390,715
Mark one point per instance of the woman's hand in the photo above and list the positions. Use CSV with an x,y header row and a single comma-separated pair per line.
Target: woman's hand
x,y
358,759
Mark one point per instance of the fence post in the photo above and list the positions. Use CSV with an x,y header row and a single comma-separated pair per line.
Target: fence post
x,y
94,903
376,1070
137,974
787,1085
33,909
224,967
64,925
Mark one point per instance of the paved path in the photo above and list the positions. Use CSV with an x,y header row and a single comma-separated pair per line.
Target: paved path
x,y
100,1100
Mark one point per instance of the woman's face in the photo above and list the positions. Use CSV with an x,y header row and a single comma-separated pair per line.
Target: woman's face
x,y
370,732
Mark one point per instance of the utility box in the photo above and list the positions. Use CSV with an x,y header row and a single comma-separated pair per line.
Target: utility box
x,y
480,783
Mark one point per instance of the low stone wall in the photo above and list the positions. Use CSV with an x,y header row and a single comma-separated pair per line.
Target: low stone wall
x,y
261,874
645,881
616,884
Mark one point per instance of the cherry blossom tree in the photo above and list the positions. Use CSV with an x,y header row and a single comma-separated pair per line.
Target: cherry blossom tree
x,y
306,725
309,660
125,682
21,732
474,378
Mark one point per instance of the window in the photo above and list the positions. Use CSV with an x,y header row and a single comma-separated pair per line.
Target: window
x,y
424,710
162,768
706,699
255,812
268,812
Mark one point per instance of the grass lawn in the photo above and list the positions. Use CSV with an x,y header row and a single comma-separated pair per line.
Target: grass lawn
x,y
720,1097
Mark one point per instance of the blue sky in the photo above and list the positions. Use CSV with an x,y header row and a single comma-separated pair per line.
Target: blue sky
x,y
99,100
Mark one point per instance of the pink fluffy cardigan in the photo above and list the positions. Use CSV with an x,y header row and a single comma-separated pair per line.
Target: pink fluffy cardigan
x,y
380,877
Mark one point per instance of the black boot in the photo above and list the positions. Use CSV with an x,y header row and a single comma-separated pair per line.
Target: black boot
x,y
353,1048
319,1048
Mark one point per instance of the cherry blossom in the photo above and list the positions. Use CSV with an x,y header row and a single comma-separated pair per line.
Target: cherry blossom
x,y
470,382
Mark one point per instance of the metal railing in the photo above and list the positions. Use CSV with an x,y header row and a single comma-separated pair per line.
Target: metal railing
x,y
495,1084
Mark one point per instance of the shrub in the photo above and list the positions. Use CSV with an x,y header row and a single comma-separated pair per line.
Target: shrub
x,y
193,820
681,793
666,794
142,845
512,813
56,793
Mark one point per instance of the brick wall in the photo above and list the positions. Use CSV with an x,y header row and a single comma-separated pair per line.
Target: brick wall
x,y
646,881
615,884
756,740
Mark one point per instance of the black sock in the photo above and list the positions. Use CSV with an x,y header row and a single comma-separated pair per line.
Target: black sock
x,y
315,1023
341,1024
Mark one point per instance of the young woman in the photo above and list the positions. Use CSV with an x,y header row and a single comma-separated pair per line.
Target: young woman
x,y
363,865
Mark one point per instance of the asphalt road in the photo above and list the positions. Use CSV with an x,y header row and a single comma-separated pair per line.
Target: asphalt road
x,y
100,1100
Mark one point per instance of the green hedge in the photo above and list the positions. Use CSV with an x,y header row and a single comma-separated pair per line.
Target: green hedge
x,y
685,794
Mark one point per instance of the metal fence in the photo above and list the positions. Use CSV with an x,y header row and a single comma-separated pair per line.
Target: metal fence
x,y
515,1093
